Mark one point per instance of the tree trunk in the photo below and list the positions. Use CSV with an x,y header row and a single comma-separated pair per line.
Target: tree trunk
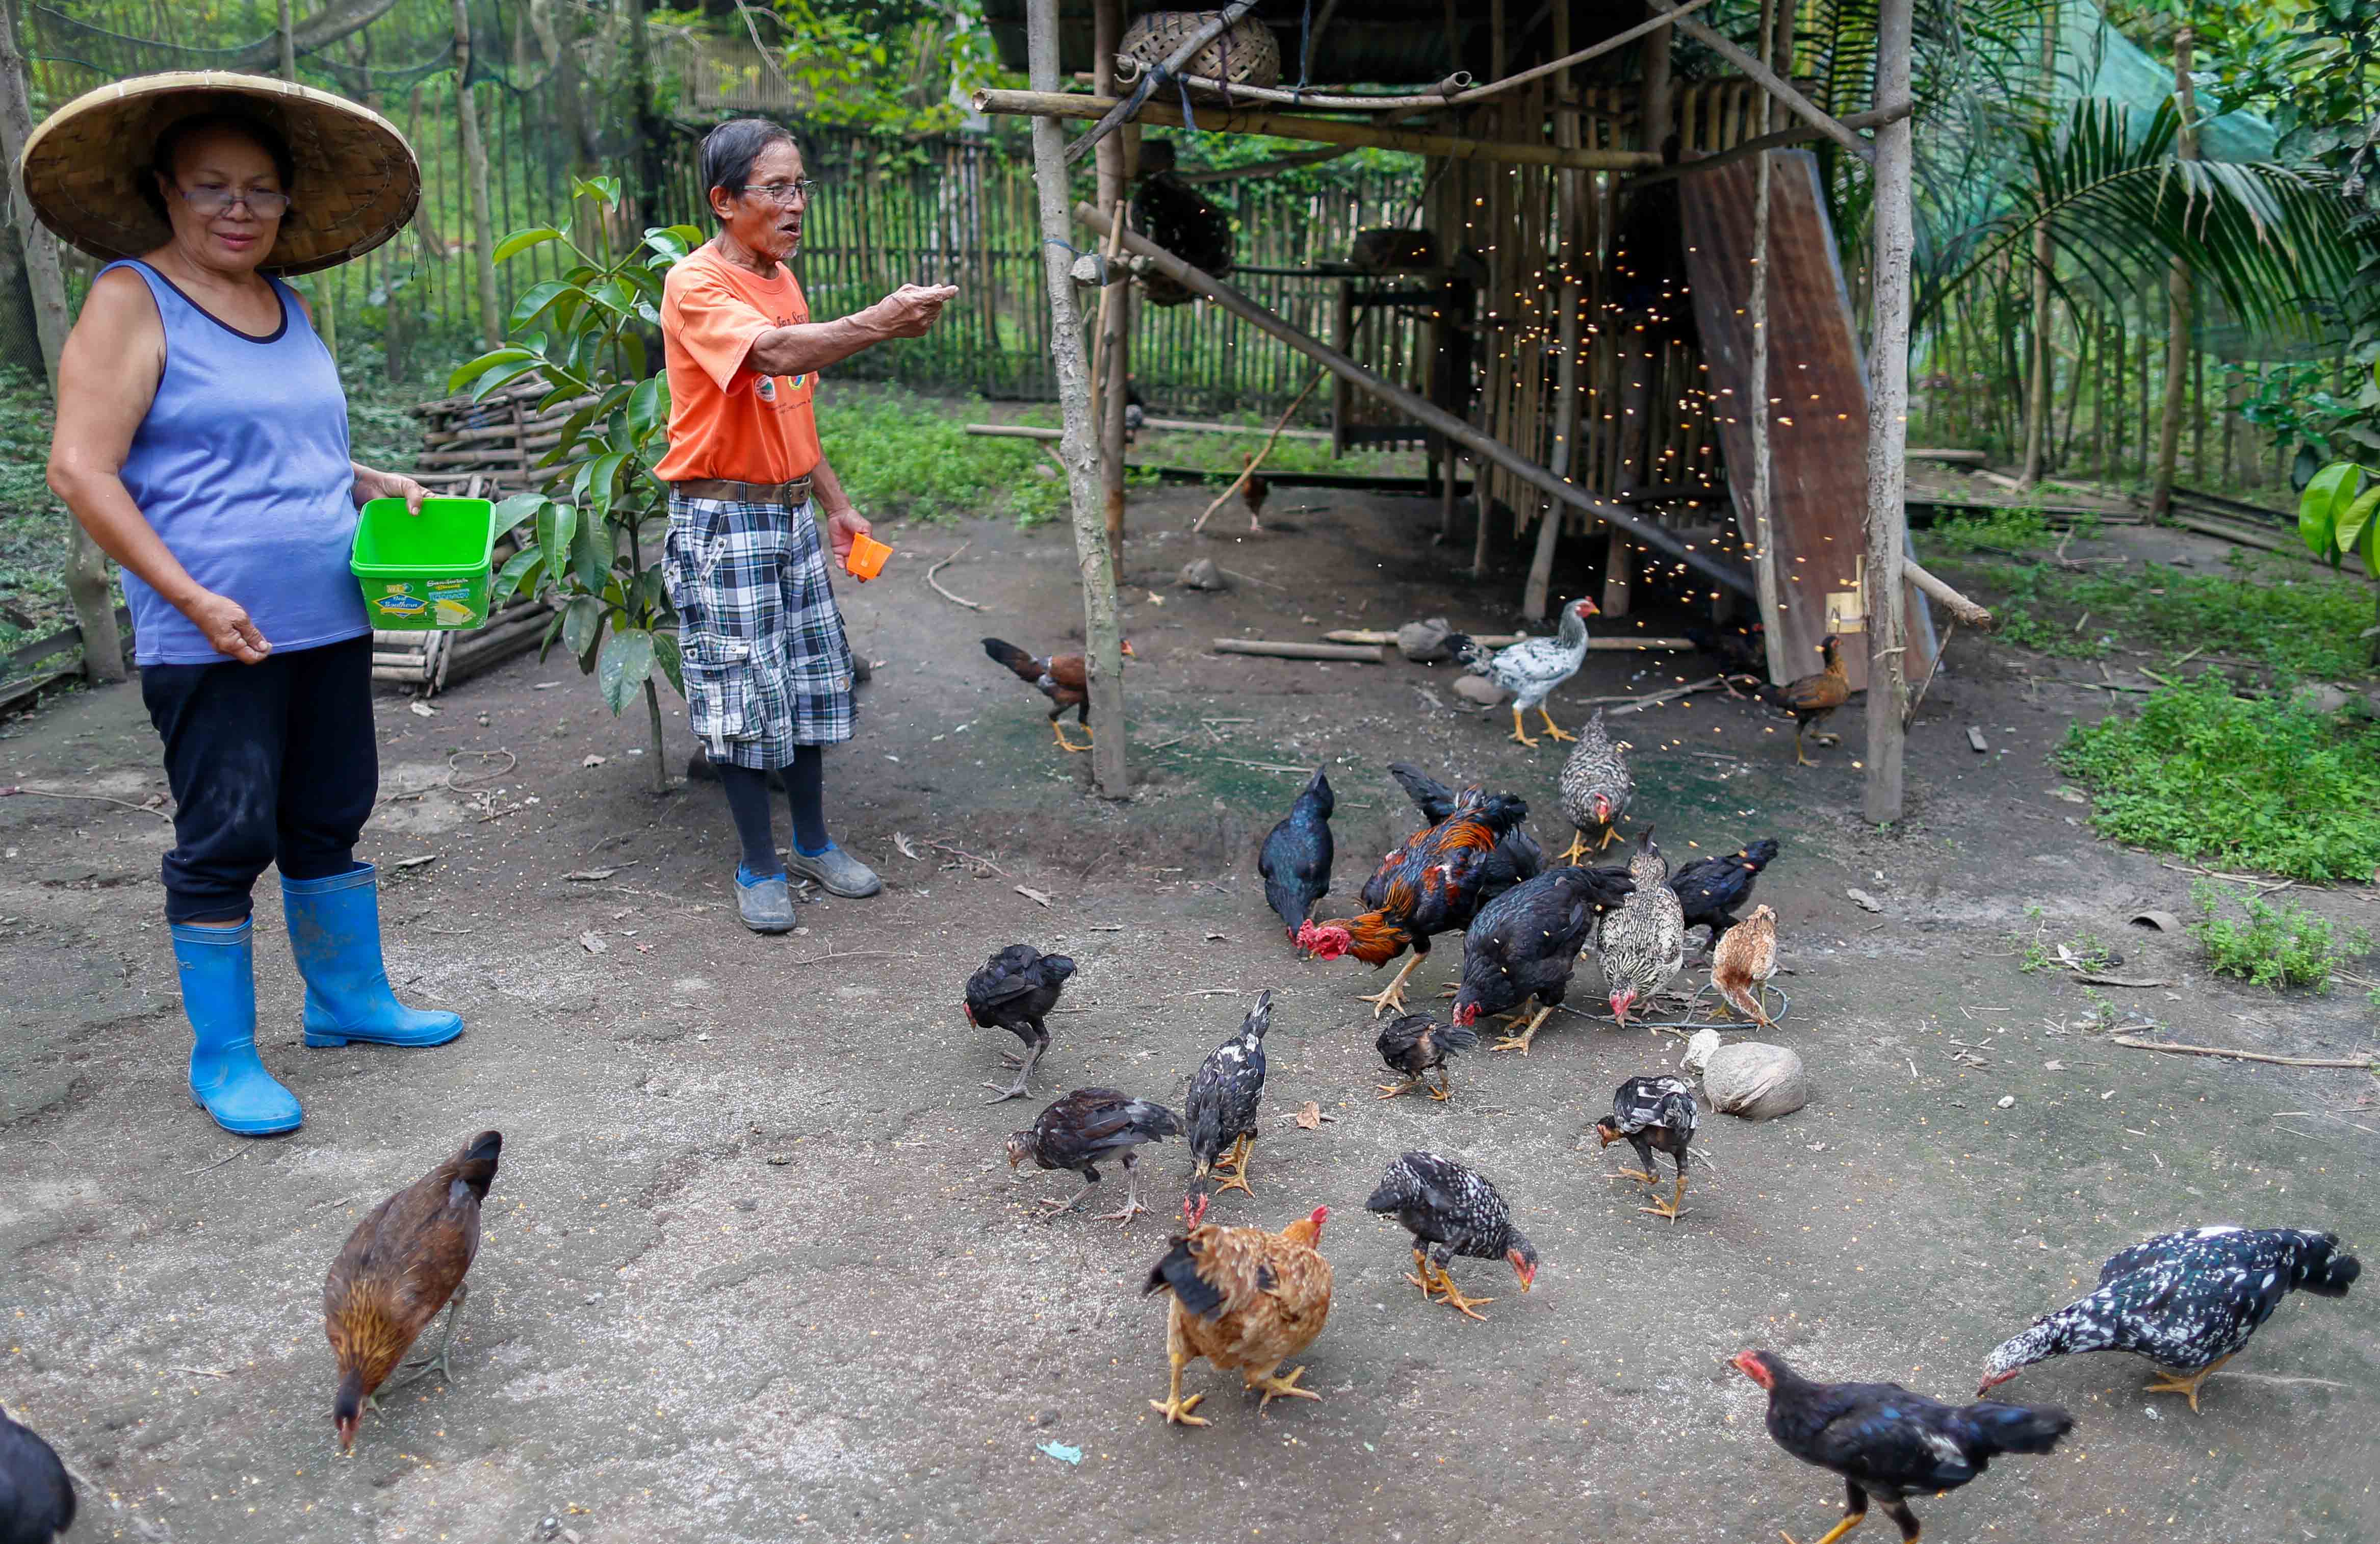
x,y
2037,390
1572,297
87,586
1078,448
2177,346
475,168
288,43
659,749
1888,427
1763,562
1115,314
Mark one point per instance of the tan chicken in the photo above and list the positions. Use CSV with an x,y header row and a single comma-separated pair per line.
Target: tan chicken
x,y
1743,961
1812,699
1245,1300
403,1263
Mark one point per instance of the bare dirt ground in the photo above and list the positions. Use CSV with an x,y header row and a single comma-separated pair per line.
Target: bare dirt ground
x,y
755,1270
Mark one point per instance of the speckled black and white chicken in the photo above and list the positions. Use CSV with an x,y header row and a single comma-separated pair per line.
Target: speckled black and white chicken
x,y
1456,1212
1643,944
1596,787
1221,1104
1649,1113
1532,668
2187,1301
1416,1045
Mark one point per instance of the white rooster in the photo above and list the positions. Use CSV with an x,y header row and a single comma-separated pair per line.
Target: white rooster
x,y
1532,668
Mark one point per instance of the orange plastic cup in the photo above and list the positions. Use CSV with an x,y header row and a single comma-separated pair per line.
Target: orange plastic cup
x,y
868,558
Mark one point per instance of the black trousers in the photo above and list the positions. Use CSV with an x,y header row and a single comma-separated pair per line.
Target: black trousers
x,y
273,762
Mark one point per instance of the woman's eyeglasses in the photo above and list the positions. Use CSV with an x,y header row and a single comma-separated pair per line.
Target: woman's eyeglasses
x,y
786,193
262,202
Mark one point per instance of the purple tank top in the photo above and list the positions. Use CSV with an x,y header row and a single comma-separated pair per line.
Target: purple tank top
x,y
241,466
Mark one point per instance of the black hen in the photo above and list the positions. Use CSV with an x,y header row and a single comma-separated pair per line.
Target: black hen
x,y
1890,1443
1417,1044
1016,991
1445,1205
1295,859
1517,856
2187,1301
1088,1127
1649,1113
1742,651
1526,943
1711,889
37,1501
1221,1104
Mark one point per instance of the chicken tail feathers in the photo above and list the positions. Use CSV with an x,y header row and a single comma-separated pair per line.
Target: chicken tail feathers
x,y
476,1164
2016,1427
1003,653
1454,1037
2322,1268
1178,1273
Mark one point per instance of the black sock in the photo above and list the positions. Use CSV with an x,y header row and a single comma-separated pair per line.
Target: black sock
x,y
805,790
747,800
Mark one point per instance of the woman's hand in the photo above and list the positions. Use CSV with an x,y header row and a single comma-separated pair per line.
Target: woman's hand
x,y
841,528
371,485
226,624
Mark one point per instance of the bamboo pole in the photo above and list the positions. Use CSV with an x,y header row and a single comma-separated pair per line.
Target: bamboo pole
x,y
2177,296
1888,424
1819,119
1102,638
288,31
1422,411
86,576
474,169
1328,131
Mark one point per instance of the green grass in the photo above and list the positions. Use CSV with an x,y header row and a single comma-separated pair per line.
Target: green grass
x,y
2270,946
2259,783
2039,952
898,454
2014,530
2295,621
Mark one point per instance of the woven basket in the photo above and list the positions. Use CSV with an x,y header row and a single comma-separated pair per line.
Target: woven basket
x,y
357,180
1246,54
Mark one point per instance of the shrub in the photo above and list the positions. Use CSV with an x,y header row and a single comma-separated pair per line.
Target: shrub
x,y
2274,946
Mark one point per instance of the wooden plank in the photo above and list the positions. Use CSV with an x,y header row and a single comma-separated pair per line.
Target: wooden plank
x,y
1354,653
1819,432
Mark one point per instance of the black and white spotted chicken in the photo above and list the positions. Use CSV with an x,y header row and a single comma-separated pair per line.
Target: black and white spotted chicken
x,y
2187,1301
1650,1112
1445,1205
1222,1103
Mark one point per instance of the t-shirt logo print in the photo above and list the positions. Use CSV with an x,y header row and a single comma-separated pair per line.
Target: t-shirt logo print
x,y
767,388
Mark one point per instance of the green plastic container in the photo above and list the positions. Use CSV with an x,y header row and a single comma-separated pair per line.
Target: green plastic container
x,y
425,572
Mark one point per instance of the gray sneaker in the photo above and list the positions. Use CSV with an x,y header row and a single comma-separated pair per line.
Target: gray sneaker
x,y
837,872
766,906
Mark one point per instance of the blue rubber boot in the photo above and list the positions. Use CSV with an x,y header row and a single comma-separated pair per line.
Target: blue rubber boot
x,y
218,971
335,932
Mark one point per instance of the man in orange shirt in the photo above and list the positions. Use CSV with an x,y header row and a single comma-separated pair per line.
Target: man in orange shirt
x,y
768,671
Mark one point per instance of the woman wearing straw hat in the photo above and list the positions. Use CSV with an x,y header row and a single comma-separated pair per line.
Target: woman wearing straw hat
x,y
201,439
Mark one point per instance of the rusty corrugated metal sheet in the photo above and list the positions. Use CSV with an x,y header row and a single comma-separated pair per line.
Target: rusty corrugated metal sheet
x,y
1817,387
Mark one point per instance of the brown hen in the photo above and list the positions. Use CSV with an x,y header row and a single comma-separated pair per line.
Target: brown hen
x,y
1246,1300
1064,679
1812,698
401,1265
1743,961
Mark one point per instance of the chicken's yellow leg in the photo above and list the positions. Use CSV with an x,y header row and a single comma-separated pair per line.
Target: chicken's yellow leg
x,y
1238,1159
1059,730
1670,1209
1393,995
1451,1295
1552,728
1391,1091
1176,1409
1520,1043
1421,1263
1578,847
1518,733
1800,760
2175,1383
1277,1387
1854,1520
1445,1089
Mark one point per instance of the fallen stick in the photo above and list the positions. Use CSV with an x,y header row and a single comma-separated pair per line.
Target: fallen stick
x,y
1352,652
959,600
2364,1064
1179,426
1633,703
1257,460
1504,640
88,798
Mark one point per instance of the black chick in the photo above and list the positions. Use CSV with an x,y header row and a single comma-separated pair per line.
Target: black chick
x,y
1525,945
1415,1044
1650,1112
1517,856
1222,1103
1444,1204
1086,1128
1015,990
1710,889
37,1500
1739,651
1295,859
1890,1443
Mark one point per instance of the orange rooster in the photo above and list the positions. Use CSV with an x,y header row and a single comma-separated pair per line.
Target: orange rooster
x,y
401,1265
1433,885
1245,1300
1743,961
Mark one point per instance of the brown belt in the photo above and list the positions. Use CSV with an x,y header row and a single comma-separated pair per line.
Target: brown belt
x,y
793,495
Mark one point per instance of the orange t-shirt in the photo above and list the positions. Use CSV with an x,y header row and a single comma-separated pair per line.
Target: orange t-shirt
x,y
726,420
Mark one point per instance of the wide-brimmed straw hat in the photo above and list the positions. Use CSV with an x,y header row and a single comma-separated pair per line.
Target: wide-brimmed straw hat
x,y
86,167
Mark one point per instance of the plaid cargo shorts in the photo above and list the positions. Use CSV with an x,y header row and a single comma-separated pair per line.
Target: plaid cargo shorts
x,y
767,665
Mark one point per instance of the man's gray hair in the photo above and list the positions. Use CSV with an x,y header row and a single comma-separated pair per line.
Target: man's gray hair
x,y
729,151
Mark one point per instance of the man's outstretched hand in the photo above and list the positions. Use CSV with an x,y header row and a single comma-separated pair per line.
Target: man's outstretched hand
x,y
910,310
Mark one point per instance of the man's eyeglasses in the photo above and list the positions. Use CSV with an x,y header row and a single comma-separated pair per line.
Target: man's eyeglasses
x,y
786,193
262,202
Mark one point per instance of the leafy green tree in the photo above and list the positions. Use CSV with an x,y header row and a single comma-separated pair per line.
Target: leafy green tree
x,y
583,539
